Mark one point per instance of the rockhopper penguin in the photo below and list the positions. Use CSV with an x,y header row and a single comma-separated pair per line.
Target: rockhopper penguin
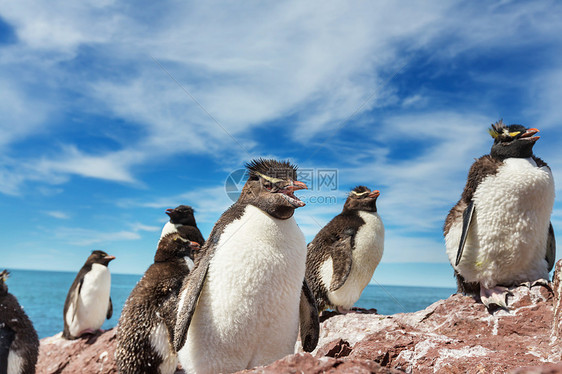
x,y
146,327
239,308
88,303
499,233
19,344
182,220
343,256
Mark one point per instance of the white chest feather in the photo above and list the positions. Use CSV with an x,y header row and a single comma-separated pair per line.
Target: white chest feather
x,y
93,301
366,255
160,342
507,238
189,262
169,228
15,362
248,311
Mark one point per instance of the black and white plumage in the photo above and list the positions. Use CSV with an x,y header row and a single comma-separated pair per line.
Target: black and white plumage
x,y
146,327
182,220
499,233
343,256
243,303
88,302
19,344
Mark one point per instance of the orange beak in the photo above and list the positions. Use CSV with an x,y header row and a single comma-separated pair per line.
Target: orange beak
x,y
529,132
297,185
375,193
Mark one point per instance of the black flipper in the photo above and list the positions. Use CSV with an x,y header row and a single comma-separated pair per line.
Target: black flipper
x,y
75,298
550,248
7,335
466,220
109,309
190,292
309,323
341,262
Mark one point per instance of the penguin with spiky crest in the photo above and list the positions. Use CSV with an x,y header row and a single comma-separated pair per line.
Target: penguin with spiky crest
x,y
88,302
19,344
146,327
182,220
499,233
242,304
343,256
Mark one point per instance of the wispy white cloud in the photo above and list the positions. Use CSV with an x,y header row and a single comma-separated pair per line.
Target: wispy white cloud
x,y
21,114
545,92
262,65
319,63
57,214
137,226
416,191
61,27
302,69
87,237
111,166
399,248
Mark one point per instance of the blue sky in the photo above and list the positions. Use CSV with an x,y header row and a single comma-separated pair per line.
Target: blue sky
x,y
112,112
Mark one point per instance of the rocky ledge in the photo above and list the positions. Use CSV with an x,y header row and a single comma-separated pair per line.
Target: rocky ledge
x,y
456,335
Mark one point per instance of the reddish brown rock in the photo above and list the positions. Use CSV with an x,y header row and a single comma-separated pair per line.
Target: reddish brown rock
x,y
336,349
557,288
456,335
546,369
306,363
94,354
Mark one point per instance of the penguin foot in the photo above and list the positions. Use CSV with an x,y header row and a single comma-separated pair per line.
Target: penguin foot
x,y
526,284
341,310
494,297
541,282
87,332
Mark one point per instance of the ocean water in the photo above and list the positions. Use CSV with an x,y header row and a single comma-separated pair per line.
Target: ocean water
x,y
42,295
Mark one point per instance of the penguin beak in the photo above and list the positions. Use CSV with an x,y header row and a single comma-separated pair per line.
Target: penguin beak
x,y
297,185
194,246
109,258
528,135
288,193
169,211
375,193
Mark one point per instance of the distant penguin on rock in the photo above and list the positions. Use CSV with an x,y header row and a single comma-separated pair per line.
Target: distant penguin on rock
x,y
146,327
182,220
499,233
243,303
343,256
19,344
88,302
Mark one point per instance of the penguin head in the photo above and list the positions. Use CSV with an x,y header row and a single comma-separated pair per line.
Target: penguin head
x,y
3,286
271,187
174,246
361,198
99,257
182,214
515,141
